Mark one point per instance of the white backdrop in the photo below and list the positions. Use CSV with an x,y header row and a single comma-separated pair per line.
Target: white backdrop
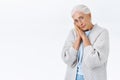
x,y
32,34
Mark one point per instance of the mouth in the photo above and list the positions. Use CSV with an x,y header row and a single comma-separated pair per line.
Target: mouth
x,y
83,26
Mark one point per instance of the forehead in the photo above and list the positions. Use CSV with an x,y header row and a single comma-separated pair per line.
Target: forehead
x,y
78,14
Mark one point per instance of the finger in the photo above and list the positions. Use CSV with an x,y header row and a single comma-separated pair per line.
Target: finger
x,y
76,28
75,25
77,32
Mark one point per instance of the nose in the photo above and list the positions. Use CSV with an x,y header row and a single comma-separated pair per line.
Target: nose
x,y
80,23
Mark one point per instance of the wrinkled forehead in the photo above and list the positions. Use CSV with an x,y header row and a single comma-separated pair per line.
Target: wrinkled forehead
x,y
78,14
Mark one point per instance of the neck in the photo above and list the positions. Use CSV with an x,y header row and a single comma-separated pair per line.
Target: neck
x,y
90,26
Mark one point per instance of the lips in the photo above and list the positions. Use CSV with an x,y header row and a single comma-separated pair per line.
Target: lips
x,y
83,26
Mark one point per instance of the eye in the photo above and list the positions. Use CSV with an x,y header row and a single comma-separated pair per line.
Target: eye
x,y
75,20
81,17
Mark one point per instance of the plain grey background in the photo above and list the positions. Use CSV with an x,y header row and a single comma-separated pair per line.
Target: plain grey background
x,y
32,34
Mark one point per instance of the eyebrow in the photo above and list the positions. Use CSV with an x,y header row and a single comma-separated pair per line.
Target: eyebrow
x,y
75,20
78,18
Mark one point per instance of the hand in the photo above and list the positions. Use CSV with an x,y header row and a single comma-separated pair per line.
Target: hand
x,y
77,42
80,33
77,32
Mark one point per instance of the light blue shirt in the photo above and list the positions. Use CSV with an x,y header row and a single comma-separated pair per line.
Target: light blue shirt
x,y
80,55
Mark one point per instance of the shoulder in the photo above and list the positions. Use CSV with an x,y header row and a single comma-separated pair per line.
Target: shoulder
x,y
98,32
98,29
103,30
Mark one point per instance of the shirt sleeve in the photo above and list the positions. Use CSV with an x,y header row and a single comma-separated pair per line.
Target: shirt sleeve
x,y
69,54
97,54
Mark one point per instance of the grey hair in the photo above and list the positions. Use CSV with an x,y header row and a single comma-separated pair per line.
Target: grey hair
x,y
80,8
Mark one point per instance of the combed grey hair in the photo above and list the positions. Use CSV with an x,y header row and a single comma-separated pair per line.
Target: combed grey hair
x,y
80,8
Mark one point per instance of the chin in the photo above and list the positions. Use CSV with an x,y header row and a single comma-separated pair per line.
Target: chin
x,y
85,30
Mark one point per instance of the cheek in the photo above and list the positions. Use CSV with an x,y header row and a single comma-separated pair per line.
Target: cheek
x,y
75,23
86,21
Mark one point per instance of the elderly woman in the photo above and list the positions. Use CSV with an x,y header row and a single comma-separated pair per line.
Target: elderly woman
x,y
86,48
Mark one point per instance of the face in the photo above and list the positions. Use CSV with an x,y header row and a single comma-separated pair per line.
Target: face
x,y
83,21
